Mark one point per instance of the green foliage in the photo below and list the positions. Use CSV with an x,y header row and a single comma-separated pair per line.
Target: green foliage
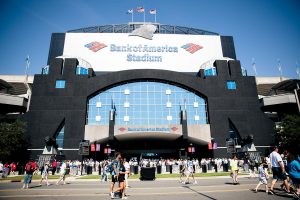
x,y
13,145
288,134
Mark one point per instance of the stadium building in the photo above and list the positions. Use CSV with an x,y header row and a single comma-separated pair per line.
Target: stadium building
x,y
151,90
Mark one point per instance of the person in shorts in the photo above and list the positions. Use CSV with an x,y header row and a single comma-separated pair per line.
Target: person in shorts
x,y
115,173
45,172
62,173
29,169
262,177
121,179
278,170
127,168
234,169
189,171
293,168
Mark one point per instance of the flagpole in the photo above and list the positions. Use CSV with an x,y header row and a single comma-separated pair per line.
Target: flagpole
x,y
144,14
280,68
26,83
254,66
132,16
297,70
26,69
155,15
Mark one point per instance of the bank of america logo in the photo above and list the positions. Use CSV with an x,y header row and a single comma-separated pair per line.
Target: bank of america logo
x,y
95,46
122,129
192,48
174,129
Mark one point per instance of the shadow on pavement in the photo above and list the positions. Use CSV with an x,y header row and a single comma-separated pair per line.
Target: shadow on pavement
x,y
188,187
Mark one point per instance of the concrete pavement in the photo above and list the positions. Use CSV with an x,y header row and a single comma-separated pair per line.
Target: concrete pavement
x,y
207,188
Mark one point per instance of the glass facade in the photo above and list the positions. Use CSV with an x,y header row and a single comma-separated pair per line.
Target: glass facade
x,y
60,138
146,103
45,70
81,70
231,85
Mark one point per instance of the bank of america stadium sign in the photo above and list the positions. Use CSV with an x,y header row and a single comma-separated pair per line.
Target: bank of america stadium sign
x,y
152,129
132,50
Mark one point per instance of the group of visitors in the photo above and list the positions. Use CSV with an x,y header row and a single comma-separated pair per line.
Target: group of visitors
x,y
9,169
285,167
31,167
280,170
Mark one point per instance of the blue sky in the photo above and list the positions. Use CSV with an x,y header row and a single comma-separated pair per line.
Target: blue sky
x,y
266,30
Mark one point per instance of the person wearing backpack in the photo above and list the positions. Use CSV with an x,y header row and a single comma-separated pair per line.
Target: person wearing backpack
x,y
28,176
114,170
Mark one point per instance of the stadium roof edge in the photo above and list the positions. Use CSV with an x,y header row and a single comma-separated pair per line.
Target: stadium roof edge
x,y
128,28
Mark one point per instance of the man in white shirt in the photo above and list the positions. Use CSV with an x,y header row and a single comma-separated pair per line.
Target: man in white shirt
x,y
277,169
62,173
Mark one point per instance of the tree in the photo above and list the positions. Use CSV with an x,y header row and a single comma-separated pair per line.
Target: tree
x,y
288,133
13,144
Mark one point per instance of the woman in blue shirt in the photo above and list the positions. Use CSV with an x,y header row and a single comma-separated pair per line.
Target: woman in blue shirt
x,y
294,171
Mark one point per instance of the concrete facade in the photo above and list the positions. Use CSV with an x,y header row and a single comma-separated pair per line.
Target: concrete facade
x,y
52,108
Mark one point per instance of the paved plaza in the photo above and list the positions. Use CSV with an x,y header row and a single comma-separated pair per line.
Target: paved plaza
x,y
207,188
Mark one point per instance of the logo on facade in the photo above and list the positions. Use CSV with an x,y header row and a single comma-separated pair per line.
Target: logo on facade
x,y
122,129
192,48
174,129
95,46
144,31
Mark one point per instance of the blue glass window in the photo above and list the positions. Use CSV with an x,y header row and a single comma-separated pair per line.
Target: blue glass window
x,y
60,84
244,72
60,138
146,103
231,85
81,71
45,70
210,72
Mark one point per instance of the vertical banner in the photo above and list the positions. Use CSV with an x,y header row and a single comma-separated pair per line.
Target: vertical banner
x,y
191,149
92,147
215,146
97,147
210,147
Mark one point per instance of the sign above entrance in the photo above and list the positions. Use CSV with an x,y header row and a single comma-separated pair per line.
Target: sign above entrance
x,y
148,129
119,51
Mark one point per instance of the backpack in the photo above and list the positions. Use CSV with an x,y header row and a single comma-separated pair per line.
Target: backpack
x,y
28,167
110,167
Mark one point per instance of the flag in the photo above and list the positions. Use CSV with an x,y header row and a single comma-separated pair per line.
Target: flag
x,y
140,9
152,12
27,59
129,11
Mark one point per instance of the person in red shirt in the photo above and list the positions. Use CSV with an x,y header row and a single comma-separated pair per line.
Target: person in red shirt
x,y
54,164
13,168
34,167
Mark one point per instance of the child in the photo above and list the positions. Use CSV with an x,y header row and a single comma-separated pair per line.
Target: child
x,y
262,176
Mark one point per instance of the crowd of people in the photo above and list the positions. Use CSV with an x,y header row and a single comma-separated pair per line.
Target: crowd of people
x,y
285,167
